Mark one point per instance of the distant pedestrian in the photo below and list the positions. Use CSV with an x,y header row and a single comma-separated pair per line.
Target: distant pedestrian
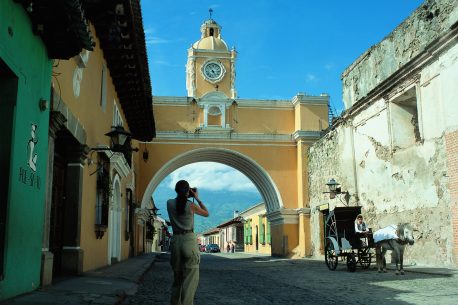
x,y
185,255
228,248
232,247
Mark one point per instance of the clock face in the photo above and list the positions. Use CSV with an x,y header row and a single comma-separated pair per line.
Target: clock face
x,y
212,70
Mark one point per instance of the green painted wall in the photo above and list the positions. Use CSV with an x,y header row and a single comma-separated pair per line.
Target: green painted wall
x,y
24,54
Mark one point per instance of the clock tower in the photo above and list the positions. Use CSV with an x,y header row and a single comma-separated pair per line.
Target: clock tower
x,y
211,66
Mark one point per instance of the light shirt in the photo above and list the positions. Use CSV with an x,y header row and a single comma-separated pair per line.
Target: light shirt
x,y
184,222
360,227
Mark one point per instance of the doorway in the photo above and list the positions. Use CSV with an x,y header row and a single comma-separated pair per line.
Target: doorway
x,y
8,96
257,239
56,229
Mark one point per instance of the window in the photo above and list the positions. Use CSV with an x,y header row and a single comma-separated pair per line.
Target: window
x,y
117,120
129,214
404,120
262,238
268,232
103,89
248,233
214,116
245,233
103,193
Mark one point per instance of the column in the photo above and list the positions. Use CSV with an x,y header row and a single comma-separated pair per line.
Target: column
x,y
56,123
72,254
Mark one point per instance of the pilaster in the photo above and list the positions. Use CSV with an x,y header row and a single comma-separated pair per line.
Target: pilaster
x,y
72,254
56,123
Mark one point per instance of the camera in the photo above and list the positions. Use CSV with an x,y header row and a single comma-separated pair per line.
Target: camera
x,y
191,195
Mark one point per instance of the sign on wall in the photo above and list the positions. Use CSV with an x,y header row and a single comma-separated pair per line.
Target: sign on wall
x,y
28,175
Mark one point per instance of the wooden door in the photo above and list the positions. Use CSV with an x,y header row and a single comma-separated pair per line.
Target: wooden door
x,y
56,227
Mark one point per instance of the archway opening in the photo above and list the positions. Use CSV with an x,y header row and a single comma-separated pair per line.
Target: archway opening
x,y
225,191
251,175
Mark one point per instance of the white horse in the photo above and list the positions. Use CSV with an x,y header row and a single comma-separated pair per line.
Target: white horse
x,y
405,236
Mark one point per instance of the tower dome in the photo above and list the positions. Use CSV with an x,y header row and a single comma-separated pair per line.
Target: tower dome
x,y
211,37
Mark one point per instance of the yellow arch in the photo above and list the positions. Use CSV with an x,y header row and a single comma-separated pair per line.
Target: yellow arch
x,y
250,168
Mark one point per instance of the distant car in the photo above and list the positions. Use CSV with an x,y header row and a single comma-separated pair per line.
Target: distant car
x,y
212,248
202,248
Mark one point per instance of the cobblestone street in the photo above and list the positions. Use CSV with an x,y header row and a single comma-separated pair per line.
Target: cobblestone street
x,y
244,279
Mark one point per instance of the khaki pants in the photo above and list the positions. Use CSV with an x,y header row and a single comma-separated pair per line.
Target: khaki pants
x,y
185,264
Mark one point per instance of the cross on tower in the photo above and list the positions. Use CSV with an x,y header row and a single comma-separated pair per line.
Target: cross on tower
x,y
211,12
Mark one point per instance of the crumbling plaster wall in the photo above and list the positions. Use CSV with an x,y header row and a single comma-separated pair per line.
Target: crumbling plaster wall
x,y
403,186
391,184
429,22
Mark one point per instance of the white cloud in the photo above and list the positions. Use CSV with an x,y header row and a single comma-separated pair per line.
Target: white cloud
x,y
155,40
310,77
329,66
212,176
161,62
152,38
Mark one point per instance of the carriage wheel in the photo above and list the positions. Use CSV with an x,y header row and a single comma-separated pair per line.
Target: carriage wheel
x,y
351,262
364,257
330,256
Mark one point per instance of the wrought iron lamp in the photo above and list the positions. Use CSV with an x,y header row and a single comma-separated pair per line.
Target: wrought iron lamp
x,y
153,211
334,189
120,141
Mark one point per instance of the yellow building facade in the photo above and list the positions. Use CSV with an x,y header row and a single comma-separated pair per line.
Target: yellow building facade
x,y
256,230
90,219
264,139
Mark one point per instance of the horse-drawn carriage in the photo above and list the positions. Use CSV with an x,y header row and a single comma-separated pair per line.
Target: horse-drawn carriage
x,y
342,242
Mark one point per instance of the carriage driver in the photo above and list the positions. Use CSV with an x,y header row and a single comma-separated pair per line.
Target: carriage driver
x,y
360,226
362,232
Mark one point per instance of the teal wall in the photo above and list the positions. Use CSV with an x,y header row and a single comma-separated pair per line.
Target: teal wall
x,y
25,54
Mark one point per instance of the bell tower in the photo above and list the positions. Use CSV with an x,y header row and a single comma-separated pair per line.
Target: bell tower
x,y
210,66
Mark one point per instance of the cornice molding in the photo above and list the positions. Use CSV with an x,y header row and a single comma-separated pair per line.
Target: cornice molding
x,y
283,216
245,103
255,103
171,100
306,136
193,50
310,99
304,211
222,133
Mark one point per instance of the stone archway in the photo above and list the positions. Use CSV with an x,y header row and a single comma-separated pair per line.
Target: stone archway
x,y
260,178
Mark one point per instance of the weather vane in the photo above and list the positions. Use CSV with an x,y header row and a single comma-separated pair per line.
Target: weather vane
x,y
211,12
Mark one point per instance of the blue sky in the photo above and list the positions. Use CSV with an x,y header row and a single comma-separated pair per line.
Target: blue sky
x,y
284,47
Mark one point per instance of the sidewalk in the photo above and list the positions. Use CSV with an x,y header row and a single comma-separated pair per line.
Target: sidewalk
x,y
108,285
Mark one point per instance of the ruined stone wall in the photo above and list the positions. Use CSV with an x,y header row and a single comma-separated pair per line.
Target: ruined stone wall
x,y
393,184
429,22
402,186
